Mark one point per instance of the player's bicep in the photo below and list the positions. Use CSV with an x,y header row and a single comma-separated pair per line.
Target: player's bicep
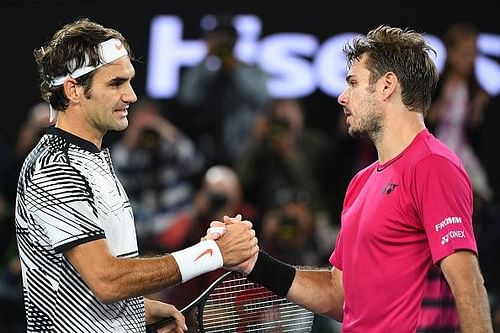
x,y
444,203
63,204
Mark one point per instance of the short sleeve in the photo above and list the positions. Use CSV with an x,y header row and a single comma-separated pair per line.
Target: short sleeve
x,y
61,203
444,203
336,256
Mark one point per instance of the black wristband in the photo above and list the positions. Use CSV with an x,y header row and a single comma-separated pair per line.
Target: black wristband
x,y
273,274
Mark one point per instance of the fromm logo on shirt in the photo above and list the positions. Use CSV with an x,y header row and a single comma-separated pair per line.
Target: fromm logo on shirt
x,y
447,221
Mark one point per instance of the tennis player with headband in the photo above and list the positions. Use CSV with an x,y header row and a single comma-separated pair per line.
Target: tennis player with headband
x,y
74,224
405,259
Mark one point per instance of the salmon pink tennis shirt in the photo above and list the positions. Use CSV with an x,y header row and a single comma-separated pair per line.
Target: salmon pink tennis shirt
x,y
398,221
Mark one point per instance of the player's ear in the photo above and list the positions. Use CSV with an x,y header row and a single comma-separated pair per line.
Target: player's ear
x,y
72,90
389,83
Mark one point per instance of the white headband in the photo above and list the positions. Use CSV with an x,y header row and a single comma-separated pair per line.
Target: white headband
x,y
109,51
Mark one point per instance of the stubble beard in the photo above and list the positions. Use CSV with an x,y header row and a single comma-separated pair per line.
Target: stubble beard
x,y
368,128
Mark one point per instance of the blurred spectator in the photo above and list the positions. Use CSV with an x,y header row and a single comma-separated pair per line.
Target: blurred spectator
x,y
12,316
226,92
29,134
291,232
488,149
457,109
283,154
156,164
219,195
344,158
487,219
457,116
32,129
288,231
11,161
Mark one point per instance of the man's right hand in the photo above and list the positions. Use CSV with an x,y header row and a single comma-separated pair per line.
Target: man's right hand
x,y
218,231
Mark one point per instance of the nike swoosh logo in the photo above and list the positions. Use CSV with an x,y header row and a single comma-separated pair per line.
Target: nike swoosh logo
x,y
208,252
118,46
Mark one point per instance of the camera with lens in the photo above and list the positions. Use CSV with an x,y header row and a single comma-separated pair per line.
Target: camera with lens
x,y
278,126
216,201
221,38
149,139
287,232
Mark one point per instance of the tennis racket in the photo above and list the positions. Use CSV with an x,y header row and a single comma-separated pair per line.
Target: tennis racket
x,y
234,304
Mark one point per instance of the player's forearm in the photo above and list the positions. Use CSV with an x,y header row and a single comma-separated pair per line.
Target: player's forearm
x,y
120,278
115,278
125,278
462,272
317,291
473,309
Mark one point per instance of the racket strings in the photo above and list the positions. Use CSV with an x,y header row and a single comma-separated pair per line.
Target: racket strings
x,y
238,305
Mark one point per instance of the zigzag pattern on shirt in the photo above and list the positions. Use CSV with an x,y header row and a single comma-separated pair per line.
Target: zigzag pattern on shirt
x,y
68,195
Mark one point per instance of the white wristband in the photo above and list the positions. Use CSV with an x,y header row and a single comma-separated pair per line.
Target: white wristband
x,y
198,259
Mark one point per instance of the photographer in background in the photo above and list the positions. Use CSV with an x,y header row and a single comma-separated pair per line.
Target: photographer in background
x,y
288,229
157,165
220,194
283,154
292,233
225,93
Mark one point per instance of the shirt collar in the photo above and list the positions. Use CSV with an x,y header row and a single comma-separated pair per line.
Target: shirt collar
x,y
71,138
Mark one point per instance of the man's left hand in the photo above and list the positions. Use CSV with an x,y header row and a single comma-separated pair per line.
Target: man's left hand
x,y
156,311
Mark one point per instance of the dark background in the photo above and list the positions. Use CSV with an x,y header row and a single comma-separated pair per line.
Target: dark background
x,y
26,25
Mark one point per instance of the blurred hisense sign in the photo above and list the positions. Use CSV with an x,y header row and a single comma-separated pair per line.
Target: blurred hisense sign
x,y
297,63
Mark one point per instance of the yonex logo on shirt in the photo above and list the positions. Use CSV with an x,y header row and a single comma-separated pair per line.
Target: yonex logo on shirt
x,y
389,188
452,234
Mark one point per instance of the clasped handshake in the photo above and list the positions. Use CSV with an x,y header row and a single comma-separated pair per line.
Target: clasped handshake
x,y
237,242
